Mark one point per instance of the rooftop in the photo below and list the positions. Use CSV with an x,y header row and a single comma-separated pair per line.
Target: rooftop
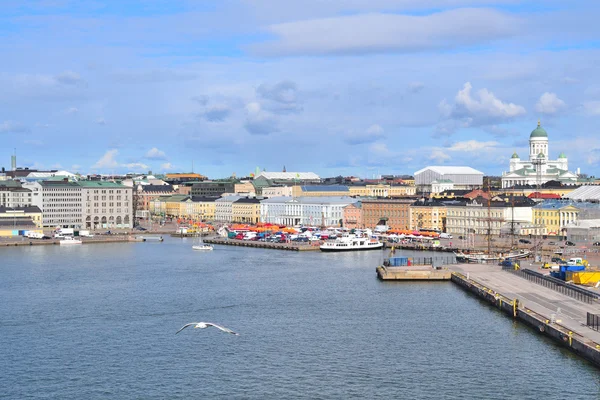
x,y
451,170
289,175
27,209
325,188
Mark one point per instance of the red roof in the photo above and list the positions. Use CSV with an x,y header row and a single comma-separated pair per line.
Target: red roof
x,y
477,193
538,195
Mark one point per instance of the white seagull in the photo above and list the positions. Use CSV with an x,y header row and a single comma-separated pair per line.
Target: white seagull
x,y
204,325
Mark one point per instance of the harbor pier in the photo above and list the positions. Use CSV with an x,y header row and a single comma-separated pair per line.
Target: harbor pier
x,y
560,312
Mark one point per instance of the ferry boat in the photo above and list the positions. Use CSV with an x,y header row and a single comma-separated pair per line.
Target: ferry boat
x,y
68,240
351,243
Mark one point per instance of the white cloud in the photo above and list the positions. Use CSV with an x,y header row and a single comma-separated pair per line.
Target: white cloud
x,y
167,166
107,160
155,154
590,108
71,110
377,32
136,167
372,134
438,156
549,103
259,121
101,121
472,145
482,109
12,127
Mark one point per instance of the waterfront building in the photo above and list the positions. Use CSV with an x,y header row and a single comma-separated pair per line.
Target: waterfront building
x,y
12,227
198,208
395,213
212,188
552,217
538,168
461,177
20,214
106,205
277,191
381,190
246,210
147,193
62,204
309,211
13,194
560,190
224,207
353,216
428,214
480,216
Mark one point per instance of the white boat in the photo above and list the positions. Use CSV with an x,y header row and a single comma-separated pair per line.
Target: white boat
x,y
475,257
68,240
352,243
517,255
200,245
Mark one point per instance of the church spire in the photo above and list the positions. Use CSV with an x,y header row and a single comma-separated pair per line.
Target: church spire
x,y
284,169
539,123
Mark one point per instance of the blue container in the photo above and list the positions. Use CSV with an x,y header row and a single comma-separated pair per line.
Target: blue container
x,y
398,261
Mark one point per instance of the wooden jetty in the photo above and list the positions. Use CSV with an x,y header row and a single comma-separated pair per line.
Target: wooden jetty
x,y
261,245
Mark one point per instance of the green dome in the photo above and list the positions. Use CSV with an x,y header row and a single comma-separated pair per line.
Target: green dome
x,y
541,155
515,155
562,155
538,132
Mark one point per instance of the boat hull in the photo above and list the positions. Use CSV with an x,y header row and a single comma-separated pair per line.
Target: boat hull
x,y
202,248
357,248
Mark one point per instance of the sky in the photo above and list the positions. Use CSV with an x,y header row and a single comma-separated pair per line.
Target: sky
x,y
346,87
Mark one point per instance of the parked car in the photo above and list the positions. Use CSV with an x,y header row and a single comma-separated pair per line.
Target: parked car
x,y
569,243
558,260
551,243
596,244
525,241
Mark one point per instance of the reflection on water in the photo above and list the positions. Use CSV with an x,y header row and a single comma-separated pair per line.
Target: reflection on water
x,y
99,321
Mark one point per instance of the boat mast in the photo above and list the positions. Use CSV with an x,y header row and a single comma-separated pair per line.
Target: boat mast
x,y
489,206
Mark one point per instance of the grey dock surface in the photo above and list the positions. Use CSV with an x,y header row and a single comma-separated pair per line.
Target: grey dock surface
x,y
552,313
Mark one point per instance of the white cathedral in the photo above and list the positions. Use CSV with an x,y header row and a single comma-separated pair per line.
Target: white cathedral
x,y
526,172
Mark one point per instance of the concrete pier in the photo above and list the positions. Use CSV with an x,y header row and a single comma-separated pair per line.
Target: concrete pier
x,y
416,273
261,245
549,312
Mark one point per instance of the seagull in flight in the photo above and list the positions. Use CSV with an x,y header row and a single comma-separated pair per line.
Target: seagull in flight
x,y
204,325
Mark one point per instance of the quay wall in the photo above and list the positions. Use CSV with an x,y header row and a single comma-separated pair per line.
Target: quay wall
x,y
574,341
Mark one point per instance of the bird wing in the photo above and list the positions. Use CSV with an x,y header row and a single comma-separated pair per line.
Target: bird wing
x,y
222,328
185,326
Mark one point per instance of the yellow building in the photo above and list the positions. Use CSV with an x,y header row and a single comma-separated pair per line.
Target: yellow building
x,y
551,217
202,209
19,219
428,215
382,190
561,191
246,210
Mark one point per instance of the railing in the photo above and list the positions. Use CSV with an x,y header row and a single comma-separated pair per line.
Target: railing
x,y
558,285
593,321
433,261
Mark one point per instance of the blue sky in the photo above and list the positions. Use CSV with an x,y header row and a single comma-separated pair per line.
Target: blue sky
x,y
347,87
